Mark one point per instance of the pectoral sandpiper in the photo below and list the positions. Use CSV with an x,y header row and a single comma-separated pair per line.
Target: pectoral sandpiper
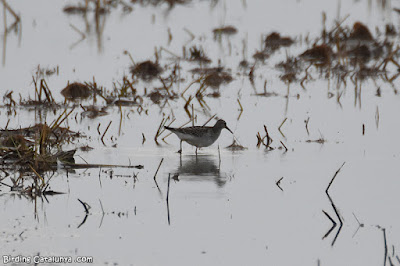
x,y
199,136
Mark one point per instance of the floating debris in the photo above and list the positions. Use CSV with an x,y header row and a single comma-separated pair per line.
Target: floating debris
x,y
198,55
217,78
75,10
19,152
86,148
319,54
206,70
17,140
244,64
288,77
369,72
267,137
93,111
31,132
360,32
76,91
171,3
235,146
291,65
261,55
275,41
157,95
227,30
360,53
390,30
64,157
42,72
146,70
319,141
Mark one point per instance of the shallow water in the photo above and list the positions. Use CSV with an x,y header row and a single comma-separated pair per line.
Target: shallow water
x,y
225,209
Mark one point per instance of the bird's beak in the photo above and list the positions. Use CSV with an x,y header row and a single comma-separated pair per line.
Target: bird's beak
x,y
229,129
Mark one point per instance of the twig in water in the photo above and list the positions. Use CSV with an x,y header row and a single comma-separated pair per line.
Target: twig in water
x,y
144,139
103,213
192,115
241,109
190,84
359,225
186,107
155,175
102,137
377,117
278,183
192,36
219,158
85,205
306,121
333,224
333,204
168,51
390,261
260,140
158,168
130,57
6,127
163,121
208,120
38,175
120,120
83,35
286,149
386,249
279,128
16,17
169,179
333,178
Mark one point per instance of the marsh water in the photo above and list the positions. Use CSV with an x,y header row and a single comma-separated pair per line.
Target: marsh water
x,y
248,206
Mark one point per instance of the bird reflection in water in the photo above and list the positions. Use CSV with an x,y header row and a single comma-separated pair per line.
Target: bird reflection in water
x,y
201,168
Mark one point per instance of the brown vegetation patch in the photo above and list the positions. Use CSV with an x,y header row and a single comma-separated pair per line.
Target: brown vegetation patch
x,y
360,32
76,90
198,55
227,30
275,41
217,78
146,70
320,53
75,10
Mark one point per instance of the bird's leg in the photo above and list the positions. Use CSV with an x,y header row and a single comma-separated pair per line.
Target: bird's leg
x,y
180,150
196,151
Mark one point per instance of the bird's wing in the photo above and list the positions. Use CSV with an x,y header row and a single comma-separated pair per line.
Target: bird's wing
x,y
195,131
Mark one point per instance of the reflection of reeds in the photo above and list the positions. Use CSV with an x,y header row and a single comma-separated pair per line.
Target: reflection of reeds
x,y
160,129
42,90
260,140
105,131
167,199
334,208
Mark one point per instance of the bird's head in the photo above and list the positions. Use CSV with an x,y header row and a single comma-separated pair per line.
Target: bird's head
x,y
222,124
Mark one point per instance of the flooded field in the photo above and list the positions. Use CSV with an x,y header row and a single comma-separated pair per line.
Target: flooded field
x,y
309,175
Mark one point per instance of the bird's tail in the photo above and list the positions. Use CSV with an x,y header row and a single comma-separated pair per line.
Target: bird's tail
x,y
169,128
